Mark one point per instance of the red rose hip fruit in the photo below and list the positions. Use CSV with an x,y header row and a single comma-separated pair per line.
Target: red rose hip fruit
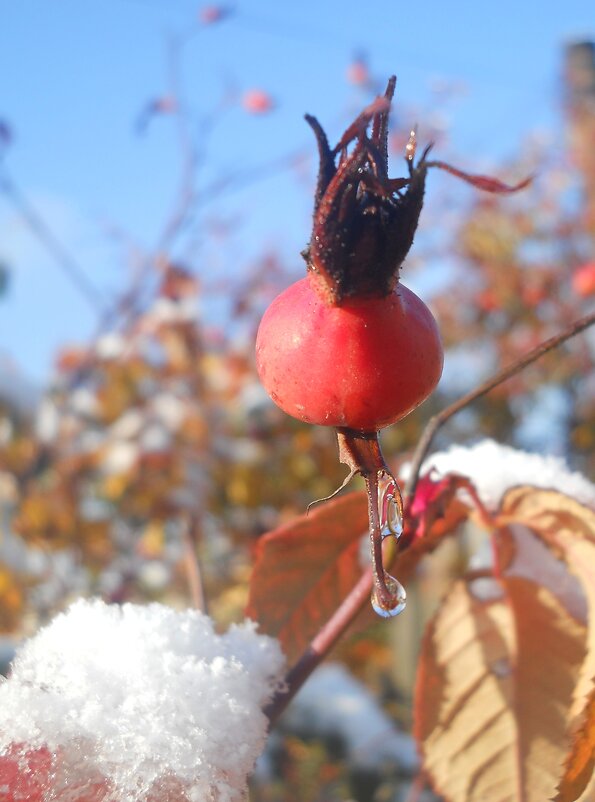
x,y
362,365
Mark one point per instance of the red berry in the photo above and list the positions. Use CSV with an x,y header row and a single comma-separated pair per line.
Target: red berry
x,y
362,365
583,280
210,14
358,72
257,101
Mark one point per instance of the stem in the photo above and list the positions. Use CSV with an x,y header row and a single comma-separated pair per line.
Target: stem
x,y
360,451
417,788
67,263
435,423
193,567
321,645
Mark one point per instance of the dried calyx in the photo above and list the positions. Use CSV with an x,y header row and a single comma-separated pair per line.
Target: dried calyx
x,y
364,221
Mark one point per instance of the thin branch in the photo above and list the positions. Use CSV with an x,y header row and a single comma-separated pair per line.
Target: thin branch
x,y
417,787
192,564
517,366
124,312
131,301
65,261
187,189
321,645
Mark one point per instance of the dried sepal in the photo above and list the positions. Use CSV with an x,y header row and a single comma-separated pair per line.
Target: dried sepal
x,y
364,222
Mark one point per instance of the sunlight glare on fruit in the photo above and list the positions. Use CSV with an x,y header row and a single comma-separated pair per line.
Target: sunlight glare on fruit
x,y
398,594
391,517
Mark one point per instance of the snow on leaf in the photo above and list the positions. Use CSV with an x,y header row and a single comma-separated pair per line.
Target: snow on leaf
x,y
304,570
494,688
495,469
568,528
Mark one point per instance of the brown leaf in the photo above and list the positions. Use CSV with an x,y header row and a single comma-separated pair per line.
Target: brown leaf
x,y
494,688
568,528
12,599
304,570
47,515
580,763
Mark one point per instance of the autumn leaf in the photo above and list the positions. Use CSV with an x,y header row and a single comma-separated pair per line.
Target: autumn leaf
x,y
12,599
304,570
568,528
580,762
47,516
494,688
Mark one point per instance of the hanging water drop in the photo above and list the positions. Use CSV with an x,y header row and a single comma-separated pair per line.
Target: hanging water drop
x,y
385,512
398,594
391,508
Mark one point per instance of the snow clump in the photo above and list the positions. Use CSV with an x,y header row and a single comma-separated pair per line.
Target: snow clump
x,y
144,700
494,469
333,702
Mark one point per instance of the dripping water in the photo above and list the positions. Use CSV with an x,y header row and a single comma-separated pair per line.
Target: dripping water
x,y
391,526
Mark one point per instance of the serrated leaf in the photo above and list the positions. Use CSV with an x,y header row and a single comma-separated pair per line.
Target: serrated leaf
x,y
579,765
568,528
494,688
304,570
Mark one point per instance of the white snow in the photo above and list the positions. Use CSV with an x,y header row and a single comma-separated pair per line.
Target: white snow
x,y
128,425
119,457
47,423
110,346
495,468
169,409
333,702
165,310
145,697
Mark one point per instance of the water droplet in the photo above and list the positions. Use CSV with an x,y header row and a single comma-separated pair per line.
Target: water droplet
x,y
391,519
501,668
399,597
411,145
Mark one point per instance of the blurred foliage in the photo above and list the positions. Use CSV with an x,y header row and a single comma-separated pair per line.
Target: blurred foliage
x,y
525,268
155,453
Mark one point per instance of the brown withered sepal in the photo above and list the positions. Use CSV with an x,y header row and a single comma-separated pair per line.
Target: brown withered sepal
x,y
364,221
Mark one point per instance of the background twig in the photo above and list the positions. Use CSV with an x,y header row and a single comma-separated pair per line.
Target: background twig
x,y
442,417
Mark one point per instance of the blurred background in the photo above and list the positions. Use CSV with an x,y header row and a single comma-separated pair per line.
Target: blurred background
x,y
156,180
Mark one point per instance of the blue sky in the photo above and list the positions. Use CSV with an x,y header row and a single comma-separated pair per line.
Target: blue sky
x,y
75,77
